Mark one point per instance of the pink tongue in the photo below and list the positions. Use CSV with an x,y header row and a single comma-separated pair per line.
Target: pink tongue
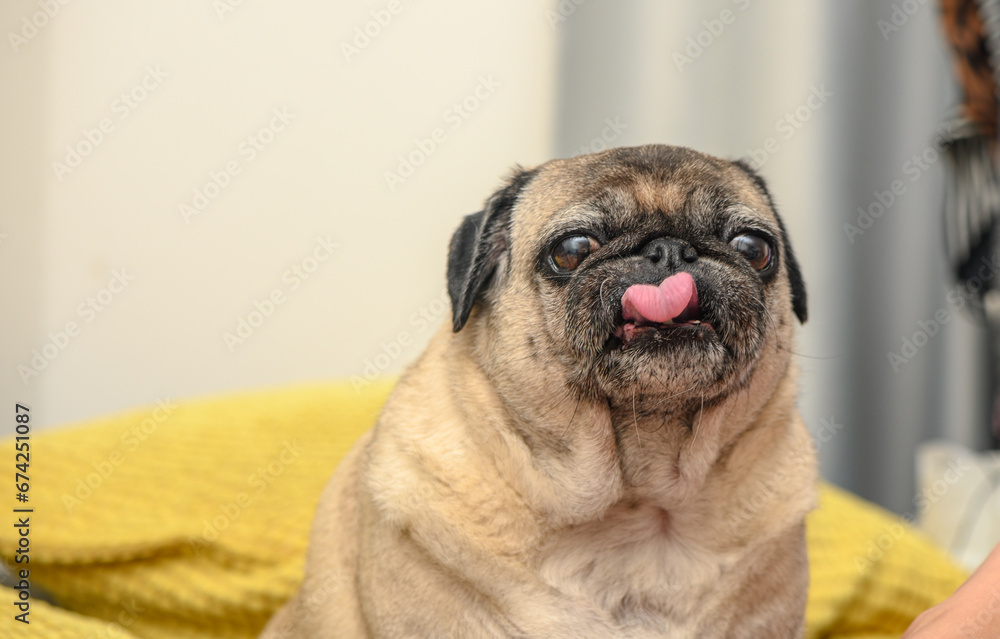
x,y
660,304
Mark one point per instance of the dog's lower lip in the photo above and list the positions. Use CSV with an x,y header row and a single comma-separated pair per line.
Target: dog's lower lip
x,y
697,329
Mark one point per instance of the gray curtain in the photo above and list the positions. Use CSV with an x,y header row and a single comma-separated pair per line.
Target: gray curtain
x,y
833,100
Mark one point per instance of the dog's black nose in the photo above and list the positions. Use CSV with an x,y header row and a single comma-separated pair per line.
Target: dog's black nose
x,y
669,250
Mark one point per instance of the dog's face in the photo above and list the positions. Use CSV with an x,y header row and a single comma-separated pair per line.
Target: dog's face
x,y
653,268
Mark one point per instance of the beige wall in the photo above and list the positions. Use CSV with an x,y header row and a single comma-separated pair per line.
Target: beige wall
x,y
202,89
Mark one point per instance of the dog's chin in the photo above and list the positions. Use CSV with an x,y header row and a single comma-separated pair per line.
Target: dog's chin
x,y
667,359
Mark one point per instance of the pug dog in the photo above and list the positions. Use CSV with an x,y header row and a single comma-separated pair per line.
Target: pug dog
x,y
604,442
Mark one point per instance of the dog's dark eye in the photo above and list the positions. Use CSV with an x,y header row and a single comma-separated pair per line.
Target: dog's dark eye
x,y
569,252
755,249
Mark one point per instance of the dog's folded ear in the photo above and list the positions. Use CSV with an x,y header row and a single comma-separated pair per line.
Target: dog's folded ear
x,y
478,245
795,279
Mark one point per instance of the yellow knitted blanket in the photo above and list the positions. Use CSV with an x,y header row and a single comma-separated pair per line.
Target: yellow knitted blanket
x,y
191,519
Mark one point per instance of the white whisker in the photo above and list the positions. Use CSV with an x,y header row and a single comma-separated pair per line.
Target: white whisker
x,y
701,413
635,420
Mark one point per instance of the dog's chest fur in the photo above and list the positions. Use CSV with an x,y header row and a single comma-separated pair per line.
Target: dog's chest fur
x,y
636,568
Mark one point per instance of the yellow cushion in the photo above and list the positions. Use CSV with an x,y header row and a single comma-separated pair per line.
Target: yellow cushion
x,y
192,520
